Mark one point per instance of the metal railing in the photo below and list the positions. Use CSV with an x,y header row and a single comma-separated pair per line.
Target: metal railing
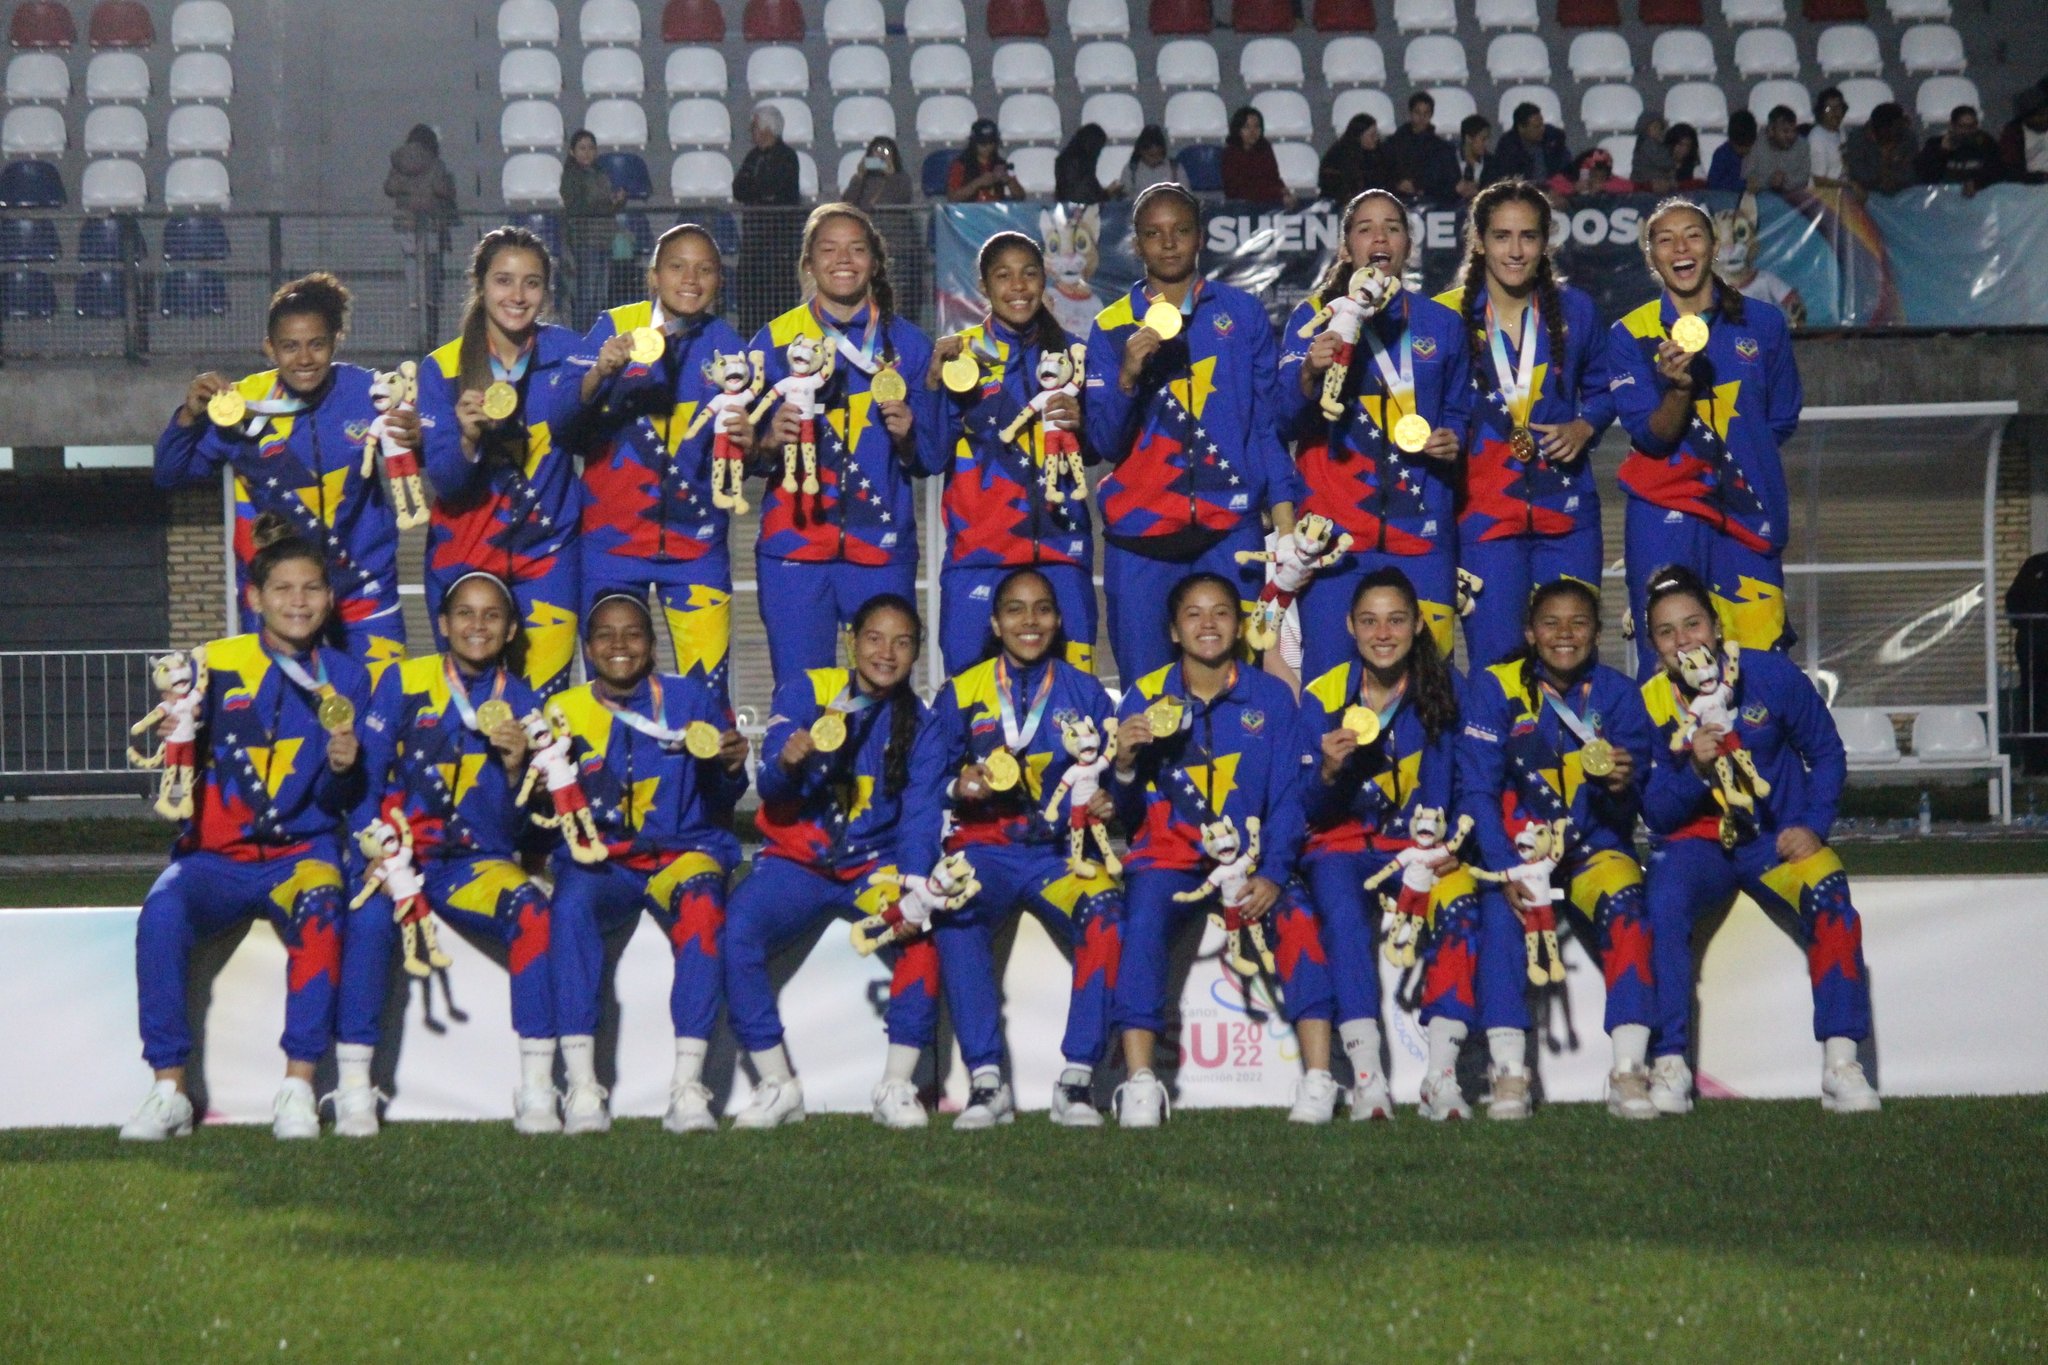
x,y
67,714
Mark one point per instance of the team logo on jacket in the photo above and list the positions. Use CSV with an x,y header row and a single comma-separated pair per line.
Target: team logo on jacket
x,y
238,699
1746,347
1224,322
1254,721
356,432
1425,347
1756,715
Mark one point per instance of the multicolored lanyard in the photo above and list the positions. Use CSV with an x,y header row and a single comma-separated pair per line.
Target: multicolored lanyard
x,y
317,687
1399,381
862,358
1015,739
670,740
1570,719
1517,389
460,693
516,371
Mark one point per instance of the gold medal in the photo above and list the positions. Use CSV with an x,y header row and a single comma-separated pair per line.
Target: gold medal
x,y
1597,758
887,386
1411,433
1362,721
1003,771
701,738
649,343
493,714
227,408
1163,318
1690,333
1523,443
337,712
1164,716
961,374
501,400
828,732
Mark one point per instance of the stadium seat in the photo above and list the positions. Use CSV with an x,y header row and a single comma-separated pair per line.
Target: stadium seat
x,y
1109,166
1765,96
1927,49
33,130
1033,167
1939,95
1025,119
1344,16
1542,96
778,71
701,178
1196,116
527,73
1907,11
1286,114
117,77
110,241
1701,103
528,23
1435,60
695,71
1683,55
1589,13
1017,19
806,176
1507,14
1950,732
937,68
1671,12
199,130
932,174
935,21
613,71
1848,50
1189,63
41,78
546,226
1106,66
41,24
1453,104
37,184
28,295
943,120
1353,60
111,184
628,173
699,123
1601,57
187,293
773,21
1425,16
199,76
693,21
530,125
1610,109
194,238
1202,163
531,178
118,130
120,23
26,240
1116,112
201,24
1350,103
1765,52
1867,734
1709,144
1622,148
859,70
859,118
608,21
1262,16
1022,66
1166,17
1736,13
1098,19
1517,57
855,21
101,295
1271,61
849,162
796,120
196,182
1299,167
617,123
1865,93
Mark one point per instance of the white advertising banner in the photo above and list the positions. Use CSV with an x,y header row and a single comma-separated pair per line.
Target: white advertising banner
x,y
1954,966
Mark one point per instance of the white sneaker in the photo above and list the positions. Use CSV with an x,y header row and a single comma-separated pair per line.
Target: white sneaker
x,y
1508,1095
775,1103
1315,1098
1073,1106
1442,1099
355,1110
689,1110
1671,1085
895,1105
583,1109
1845,1089
1140,1102
1370,1099
162,1114
535,1109
294,1115
986,1107
1628,1094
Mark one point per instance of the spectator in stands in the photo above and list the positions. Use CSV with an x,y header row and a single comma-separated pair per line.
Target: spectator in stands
x,y
589,199
1652,168
1532,150
423,192
768,176
1593,175
980,174
1682,145
1150,165
1879,155
1356,162
1824,139
1724,172
1783,160
1965,155
1073,172
2023,143
1425,163
1474,136
879,180
1251,173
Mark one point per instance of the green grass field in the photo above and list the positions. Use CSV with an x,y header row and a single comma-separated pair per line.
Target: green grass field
x,y
1750,1231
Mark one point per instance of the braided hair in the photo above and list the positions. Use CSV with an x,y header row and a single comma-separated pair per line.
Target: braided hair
x,y
1048,334
1472,279
1337,274
902,700
1430,688
1726,299
879,287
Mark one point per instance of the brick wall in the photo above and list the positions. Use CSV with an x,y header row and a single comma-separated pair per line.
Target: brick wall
x,y
196,566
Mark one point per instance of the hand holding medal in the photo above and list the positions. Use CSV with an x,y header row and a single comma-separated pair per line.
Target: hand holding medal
x,y
648,344
501,400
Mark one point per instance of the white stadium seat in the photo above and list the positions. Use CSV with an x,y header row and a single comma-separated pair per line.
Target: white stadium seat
x,y
1425,16
937,68
1116,112
1610,109
39,78
806,175
608,21
1454,104
1736,13
617,124
1931,48
121,130
1864,93
201,76
532,178
1189,63
1022,66
1286,114
777,70
699,123
115,184
1024,119
849,163
1435,60
1765,96
1033,167
1683,54
1196,116
855,21
202,23
35,130
1601,57
1950,732
1905,11
1350,103
1848,50
1109,167
1106,66
1271,61
1867,734
943,120
695,71
858,118
1517,57
701,178
1622,148
1764,52
935,21
523,23
530,124
1494,14
1098,18
1353,60
1300,166
1701,103
1709,144
1542,96
529,73
198,130
796,120
613,71
117,77
196,182
861,70
1939,96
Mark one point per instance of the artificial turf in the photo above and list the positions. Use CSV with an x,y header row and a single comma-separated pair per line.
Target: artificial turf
x,y
1750,1231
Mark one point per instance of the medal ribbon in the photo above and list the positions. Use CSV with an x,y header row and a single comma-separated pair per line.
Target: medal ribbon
x,y
458,690
1358,698
267,492
851,701
516,371
1570,718
291,668
1399,381
1015,739
1517,390
668,739
862,358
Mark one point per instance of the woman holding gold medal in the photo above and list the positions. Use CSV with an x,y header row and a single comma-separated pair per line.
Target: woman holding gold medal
x,y
833,782
280,768
838,522
662,766
998,740
1530,512
1377,428
294,437
506,500
659,417
1706,385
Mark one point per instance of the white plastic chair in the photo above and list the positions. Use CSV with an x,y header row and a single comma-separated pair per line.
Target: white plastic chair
x,y
935,21
1271,61
1601,56
778,70
849,163
1905,11
796,120
40,78
1300,166
859,118
1022,66
613,71
1950,732
1765,52
198,130
699,123
1425,16
1517,57
201,76
1109,167
529,73
617,124
1189,63
1196,116
196,182
530,125
1938,97
528,23
1350,103
1622,148
1435,60
1025,119
1098,19
117,77
120,130
1737,13
855,21
1493,14
531,178
1286,114
202,23
806,175
860,70
1353,59
36,130
1932,48
1106,66
1867,734
1700,103
113,185
1542,96
701,178
1848,50
1454,104
695,71
1610,109
1864,93
1683,54
1033,167
944,120
608,21
938,68
1116,112
1765,96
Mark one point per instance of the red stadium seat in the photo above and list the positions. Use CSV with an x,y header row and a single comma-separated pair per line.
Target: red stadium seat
x,y
693,21
1018,19
772,21
1345,16
1181,16
41,23
1836,11
120,23
1672,12
1589,13
1263,16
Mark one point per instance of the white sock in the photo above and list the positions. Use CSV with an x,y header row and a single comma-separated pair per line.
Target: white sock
x,y
772,1063
1839,1052
537,1063
1446,1036
985,1078
1145,1074
902,1063
689,1062
1509,1049
1073,1073
353,1061
164,1088
579,1059
1311,1073
1631,1046
294,1082
1361,1039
